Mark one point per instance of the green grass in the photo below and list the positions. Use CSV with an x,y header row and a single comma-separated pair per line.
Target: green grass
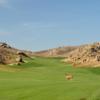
x,y
44,79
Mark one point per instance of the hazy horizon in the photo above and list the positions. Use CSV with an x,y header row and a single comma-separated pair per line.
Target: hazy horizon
x,y
38,25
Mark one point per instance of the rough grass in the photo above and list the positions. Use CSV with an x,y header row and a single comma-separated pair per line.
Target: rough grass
x,y
44,79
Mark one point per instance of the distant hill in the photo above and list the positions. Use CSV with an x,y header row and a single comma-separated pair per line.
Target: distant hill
x,y
56,52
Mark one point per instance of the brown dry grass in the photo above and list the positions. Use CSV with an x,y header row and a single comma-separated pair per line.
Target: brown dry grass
x,y
7,68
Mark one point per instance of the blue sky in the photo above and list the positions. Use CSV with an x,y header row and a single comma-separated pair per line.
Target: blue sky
x,y
42,24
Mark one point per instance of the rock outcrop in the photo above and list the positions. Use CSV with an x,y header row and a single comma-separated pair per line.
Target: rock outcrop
x,y
10,55
86,55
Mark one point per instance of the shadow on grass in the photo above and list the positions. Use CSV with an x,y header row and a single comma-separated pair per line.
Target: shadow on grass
x,y
27,65
94,70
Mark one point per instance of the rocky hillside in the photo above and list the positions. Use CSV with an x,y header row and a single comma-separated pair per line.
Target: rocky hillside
x,y
56,52
86,55
10,55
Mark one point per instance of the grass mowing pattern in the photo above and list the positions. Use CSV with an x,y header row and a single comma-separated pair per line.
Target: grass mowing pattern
x,y
44,79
